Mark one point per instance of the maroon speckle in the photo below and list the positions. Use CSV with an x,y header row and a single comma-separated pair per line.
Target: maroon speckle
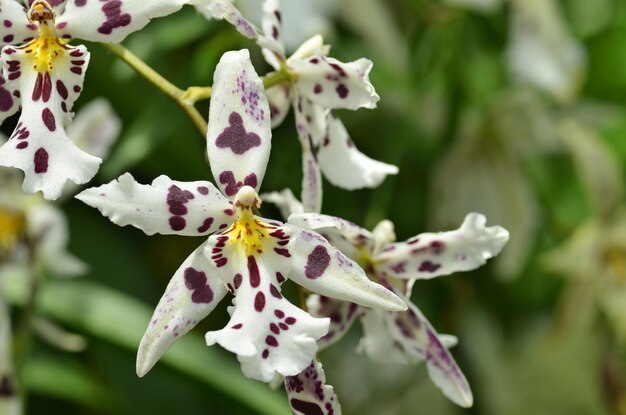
x,y
77,89
280,278
253,270
62,89
41,160
428,266
80,3
8,38
203,190
237,280
77,70
196,281
279,313
205,225
232,186
315,61
113,12
237,326
274,328
177,223
317,89
342,91
38,87
6,101
306,408
265,353
282,251
46,90
259,301
235,136
290,320
271,341
48,119
22,145
7,23
317,262
274,291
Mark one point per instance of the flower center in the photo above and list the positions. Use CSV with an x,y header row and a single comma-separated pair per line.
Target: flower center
x,y
45,48
249,233
11,225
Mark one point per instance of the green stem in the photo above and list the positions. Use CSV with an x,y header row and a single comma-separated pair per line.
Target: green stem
x,y
161,83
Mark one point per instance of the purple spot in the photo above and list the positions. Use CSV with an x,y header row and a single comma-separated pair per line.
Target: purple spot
x,y
274,328
48,119
306,408
41,160
317,89
77,70
259,301
203,190
232,186
237,326
265,353
47,87
196,281
428,266
274,291
177,223
6,101
279,313
342,91
114,17
205,225
235,136
22,145
80,3
282,251
317,262
8,38
37,88
7,23
61,89
271,341
280,278
253,270
290,320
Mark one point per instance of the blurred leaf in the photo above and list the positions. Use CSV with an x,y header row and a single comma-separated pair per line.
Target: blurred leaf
x,y
115,317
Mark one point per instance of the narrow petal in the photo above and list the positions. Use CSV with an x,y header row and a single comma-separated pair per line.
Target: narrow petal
x,y
408,338
323,269
309,394
39,145
268,333
279,98
193,292
341,313
334,84
430,255
111,21
10,403
311,127
310,47
166,206
239,134
353,233
344,165
14,25
272,26
95,128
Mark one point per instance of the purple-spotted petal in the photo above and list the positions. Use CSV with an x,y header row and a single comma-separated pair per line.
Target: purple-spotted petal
x,y
111,21
341,313
14,25
268,333
430,255
353,233
309,394
344,165
239,134
95,128
272,27
193,292
165,207
407,337
323,269
39,145
279,98
334,84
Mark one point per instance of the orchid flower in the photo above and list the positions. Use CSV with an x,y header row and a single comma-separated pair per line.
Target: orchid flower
x,y
246,255
318,84
43,73
400,337
308,393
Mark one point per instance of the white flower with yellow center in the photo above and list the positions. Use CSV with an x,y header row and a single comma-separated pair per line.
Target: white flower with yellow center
x,y
43,73
247,255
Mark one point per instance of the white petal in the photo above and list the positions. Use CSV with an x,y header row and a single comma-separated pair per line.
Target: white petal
x,y
10,403
309,48
95,128
430,255
15,27
39,145
408,338
344,165
192,293
323,269
334,84
165,207
266,331
309,394
239,134
285,201
111,21
341,313
272,26
279,98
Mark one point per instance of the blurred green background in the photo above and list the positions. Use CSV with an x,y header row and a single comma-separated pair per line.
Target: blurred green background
x,y
542,329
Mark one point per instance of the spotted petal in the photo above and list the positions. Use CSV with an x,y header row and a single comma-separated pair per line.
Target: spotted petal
x,y
266,331
165,207
272,27
334,84
39,145
430,255
323,269
344,165
239,134
279,98
111,21
309,394
10,403
341,313
407,337
193,292
14,26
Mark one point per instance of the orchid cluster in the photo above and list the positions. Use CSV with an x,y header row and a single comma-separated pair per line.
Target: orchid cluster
x,y
342,271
